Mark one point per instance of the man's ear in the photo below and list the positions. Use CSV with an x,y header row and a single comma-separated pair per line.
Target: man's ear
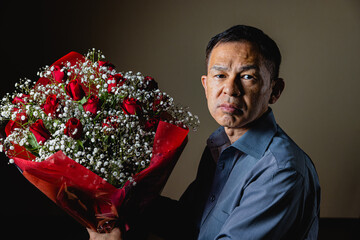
x,y
278,86
204,83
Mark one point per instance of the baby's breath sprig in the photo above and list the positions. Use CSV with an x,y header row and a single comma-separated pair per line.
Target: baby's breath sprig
x,y
103,119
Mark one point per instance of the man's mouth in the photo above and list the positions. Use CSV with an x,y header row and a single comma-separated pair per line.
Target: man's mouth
x,y
229,108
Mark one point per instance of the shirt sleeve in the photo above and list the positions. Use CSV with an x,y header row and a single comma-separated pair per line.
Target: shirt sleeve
x,y
268,207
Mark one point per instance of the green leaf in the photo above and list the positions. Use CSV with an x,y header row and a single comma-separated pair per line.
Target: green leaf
x,y
33,146
81,103
32,141
81,108
83,100
97,117
80,143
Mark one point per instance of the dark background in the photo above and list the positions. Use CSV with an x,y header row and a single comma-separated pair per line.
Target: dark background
x,y
36,33
33,35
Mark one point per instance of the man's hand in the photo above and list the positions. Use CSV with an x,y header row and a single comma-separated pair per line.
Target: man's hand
x,y
115,234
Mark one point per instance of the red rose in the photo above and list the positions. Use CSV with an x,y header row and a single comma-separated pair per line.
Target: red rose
x,y
10,127
110,66
131,106
50,105
150,83
92,104
73,128
23,99
40,132
20,116
75,90
151,124
58,74
116,80
20,119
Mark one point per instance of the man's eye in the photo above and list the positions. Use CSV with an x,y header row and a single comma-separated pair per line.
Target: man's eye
x,y
247,77
220,76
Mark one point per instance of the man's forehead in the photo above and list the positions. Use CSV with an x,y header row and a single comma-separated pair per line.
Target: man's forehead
x,y
227,54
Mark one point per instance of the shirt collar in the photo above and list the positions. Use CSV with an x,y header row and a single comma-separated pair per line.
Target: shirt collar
x,y
254,142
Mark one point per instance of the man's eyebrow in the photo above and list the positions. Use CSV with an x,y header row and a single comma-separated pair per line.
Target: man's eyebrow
x,y
249,67
242,68
219,68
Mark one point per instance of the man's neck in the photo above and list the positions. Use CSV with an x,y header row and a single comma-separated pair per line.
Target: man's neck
x,y
235,133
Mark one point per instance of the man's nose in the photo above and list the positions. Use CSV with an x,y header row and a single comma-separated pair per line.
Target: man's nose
x,y
233,86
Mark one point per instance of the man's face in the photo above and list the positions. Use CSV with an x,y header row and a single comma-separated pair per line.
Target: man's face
x,y
238,85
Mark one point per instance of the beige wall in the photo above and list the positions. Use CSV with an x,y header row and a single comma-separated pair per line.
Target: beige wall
x,y
320,43
319,109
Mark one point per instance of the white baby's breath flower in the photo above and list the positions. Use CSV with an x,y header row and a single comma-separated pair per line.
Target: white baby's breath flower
x,y
113,147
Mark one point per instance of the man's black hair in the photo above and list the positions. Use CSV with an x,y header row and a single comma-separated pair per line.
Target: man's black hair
x,y
239,33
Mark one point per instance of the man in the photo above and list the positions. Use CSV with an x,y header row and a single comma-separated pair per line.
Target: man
x,y
253,181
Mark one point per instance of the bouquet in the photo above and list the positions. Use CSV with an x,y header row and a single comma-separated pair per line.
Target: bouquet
x,y
96,141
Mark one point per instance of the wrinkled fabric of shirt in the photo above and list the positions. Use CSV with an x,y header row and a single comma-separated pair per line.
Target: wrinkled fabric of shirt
x,y
263,186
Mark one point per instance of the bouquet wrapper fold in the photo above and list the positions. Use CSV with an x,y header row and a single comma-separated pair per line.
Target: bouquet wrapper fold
x,y
91,200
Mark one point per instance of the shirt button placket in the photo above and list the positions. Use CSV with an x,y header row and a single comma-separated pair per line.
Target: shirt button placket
x,y
221,165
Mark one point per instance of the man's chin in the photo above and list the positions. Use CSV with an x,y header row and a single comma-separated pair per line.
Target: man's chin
x,y
231,121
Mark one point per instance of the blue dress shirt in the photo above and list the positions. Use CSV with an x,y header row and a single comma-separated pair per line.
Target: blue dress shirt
x,y
263,186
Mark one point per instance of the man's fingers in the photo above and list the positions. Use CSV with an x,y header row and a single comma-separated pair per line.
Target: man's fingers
x,y
115,234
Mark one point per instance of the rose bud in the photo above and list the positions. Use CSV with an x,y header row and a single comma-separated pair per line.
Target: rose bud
x,y
50,105
151,124
150,82
92,105
116,80
110,66
58,74
11,126
131,106
75,90
39,130
73,128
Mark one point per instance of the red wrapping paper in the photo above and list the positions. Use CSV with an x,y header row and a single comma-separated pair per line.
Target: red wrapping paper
x,y
90,199
86,196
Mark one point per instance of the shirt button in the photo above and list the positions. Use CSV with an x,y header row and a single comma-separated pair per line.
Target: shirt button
x,y
212,198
